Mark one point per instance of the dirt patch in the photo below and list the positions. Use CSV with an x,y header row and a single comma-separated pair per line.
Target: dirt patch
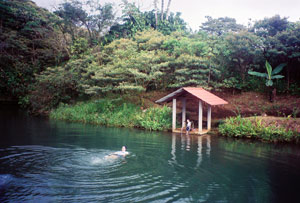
x,y
252,103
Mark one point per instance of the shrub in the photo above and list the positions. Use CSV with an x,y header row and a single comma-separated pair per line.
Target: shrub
x,y
156,119
245,128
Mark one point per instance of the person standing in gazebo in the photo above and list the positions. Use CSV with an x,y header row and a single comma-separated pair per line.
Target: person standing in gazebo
x,y
188,126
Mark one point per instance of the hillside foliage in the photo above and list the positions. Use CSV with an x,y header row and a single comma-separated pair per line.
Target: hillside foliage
x,y
29,43
82,51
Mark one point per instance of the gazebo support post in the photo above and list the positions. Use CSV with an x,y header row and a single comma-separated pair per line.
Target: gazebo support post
x,y
208,117
183,112
200,115
174,115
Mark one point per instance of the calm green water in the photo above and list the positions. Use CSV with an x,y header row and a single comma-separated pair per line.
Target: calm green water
x,y
46,161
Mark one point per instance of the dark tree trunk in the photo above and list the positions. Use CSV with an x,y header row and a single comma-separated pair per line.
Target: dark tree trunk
x,y
288,78
272,94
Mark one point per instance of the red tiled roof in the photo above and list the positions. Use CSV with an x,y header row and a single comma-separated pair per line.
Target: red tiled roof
x,y
198,92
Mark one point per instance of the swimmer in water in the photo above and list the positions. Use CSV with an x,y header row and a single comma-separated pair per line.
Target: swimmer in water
x,y
122,153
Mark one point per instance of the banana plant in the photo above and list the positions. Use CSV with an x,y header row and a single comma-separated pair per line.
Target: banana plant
x,y
271,74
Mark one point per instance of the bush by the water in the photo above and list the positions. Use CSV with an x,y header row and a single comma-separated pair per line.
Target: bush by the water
x,y
255,128
115,112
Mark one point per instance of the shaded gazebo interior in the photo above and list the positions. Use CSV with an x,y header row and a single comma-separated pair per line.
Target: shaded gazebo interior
x,y
191,98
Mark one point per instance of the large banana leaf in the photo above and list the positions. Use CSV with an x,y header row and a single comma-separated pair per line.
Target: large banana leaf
x,y
277,76
270,74
269,70
278,68
263,75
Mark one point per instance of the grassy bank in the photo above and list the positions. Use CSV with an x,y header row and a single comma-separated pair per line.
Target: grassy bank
x,y
115,112
266,129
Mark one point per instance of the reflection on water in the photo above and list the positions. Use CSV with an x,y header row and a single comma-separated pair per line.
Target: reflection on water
x,y
173,148
42,161
199,151
185,143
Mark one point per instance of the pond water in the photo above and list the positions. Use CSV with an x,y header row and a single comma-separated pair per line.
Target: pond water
x,y
51,161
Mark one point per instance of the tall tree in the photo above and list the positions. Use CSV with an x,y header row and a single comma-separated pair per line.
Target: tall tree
x,y
270,26
168,9
162,10
220,26
243,52
90,14
71,14
134,20
156,12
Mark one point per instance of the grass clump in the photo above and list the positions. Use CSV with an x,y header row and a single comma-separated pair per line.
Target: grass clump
x,y
114,112
155,119
255,128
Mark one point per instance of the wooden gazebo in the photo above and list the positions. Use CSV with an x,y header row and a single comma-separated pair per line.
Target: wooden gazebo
x,y
192,93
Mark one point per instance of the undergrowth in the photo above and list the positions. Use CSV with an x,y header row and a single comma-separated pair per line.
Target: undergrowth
x,y
245,128
115,112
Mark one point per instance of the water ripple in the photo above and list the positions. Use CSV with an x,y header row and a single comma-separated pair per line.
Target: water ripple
x,y
75,174
45,171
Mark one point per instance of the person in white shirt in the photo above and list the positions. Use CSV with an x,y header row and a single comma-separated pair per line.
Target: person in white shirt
x,y
188,126
122,153
117,154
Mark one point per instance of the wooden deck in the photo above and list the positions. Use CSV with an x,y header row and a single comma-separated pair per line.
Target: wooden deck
x,y
195,131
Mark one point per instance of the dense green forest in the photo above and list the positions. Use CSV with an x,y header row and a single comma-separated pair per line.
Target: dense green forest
x,y
83,50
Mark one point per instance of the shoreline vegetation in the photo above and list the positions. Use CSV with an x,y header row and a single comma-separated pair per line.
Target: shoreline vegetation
x,y
120,112
268,129
115,113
